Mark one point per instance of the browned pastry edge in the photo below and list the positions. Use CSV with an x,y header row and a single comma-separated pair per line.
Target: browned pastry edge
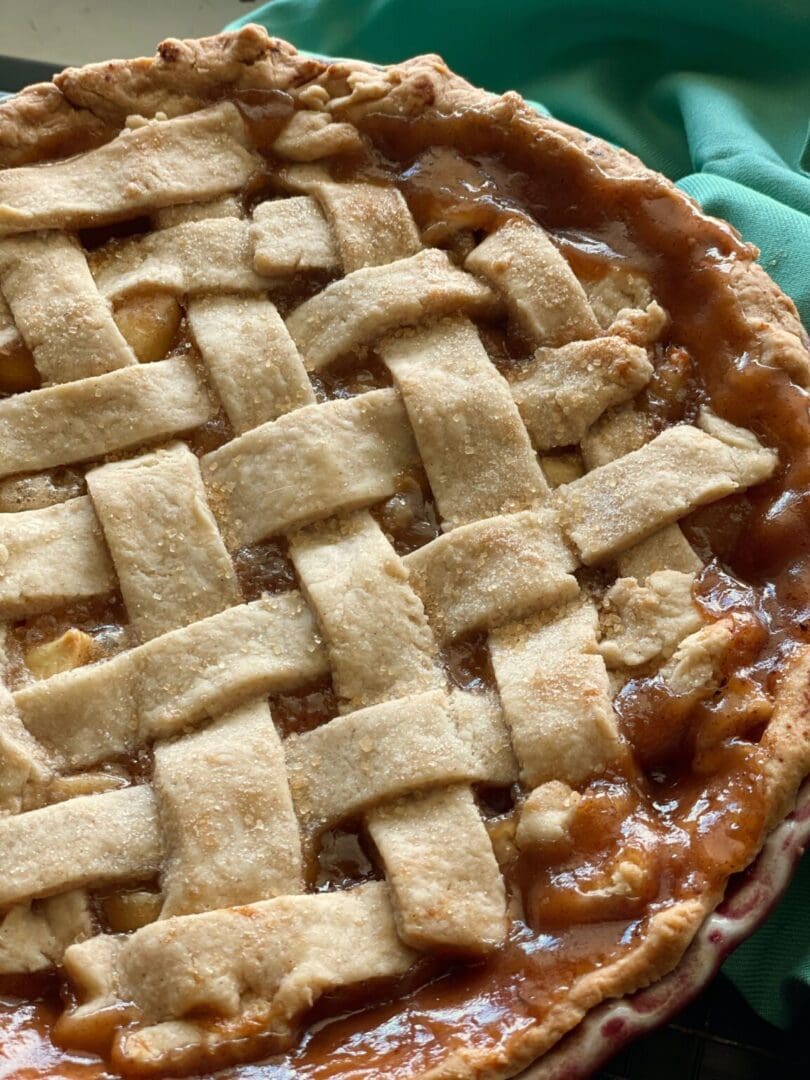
x,y
87,106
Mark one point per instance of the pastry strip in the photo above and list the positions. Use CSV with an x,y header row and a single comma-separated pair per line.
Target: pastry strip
x,y
87,419
315,462
158,689
380,645
480,726
270,960
212,255
555,694
371,223
643,622
58,310
90,840
224,206
493,572
471,439
419,863
250,357
23,759
190,158
172,566
540,288
617,433
565,390
372,301
666,549
9,334
52,557
615,506
292,236
372,755
230,833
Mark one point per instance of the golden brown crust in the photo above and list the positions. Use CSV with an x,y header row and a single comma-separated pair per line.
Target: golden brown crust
x,y
774,320
39,119
87,105
657,955
185,74
425,86
787,738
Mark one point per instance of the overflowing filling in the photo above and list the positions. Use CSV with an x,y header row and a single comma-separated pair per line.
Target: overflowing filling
x,y
401,549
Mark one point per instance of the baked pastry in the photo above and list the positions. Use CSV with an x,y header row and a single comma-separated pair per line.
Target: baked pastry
x,y
402,569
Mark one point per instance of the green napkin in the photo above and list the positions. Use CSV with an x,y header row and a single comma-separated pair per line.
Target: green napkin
x,y
716,94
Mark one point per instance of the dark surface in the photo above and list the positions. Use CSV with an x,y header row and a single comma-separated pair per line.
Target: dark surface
x,y
16,73
717,1037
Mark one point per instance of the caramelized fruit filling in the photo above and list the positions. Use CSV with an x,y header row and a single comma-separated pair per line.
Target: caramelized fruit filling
x,y
350,376
150,323
686,808
43,645
17,371
409,518
264,568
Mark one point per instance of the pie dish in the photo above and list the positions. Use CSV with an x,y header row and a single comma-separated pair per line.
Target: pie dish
x,y
403,580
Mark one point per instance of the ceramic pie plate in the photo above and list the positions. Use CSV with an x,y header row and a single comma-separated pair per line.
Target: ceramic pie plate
x,y
524,582
748,902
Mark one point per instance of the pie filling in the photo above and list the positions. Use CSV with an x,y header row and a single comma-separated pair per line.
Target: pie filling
x,y
472,470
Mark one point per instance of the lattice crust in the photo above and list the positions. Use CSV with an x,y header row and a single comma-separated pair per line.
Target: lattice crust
x,y
371,301
232,813
190,258
55,304
368,225
92,839
310,464
150,165
646,620
541,290
555,694
250,358
79,421
227,816
483,463
565,390
379,640
493,571
51,557
171,565
260,964
618,504
617,433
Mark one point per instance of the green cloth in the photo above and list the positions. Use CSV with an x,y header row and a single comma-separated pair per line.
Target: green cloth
x,y
716,94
